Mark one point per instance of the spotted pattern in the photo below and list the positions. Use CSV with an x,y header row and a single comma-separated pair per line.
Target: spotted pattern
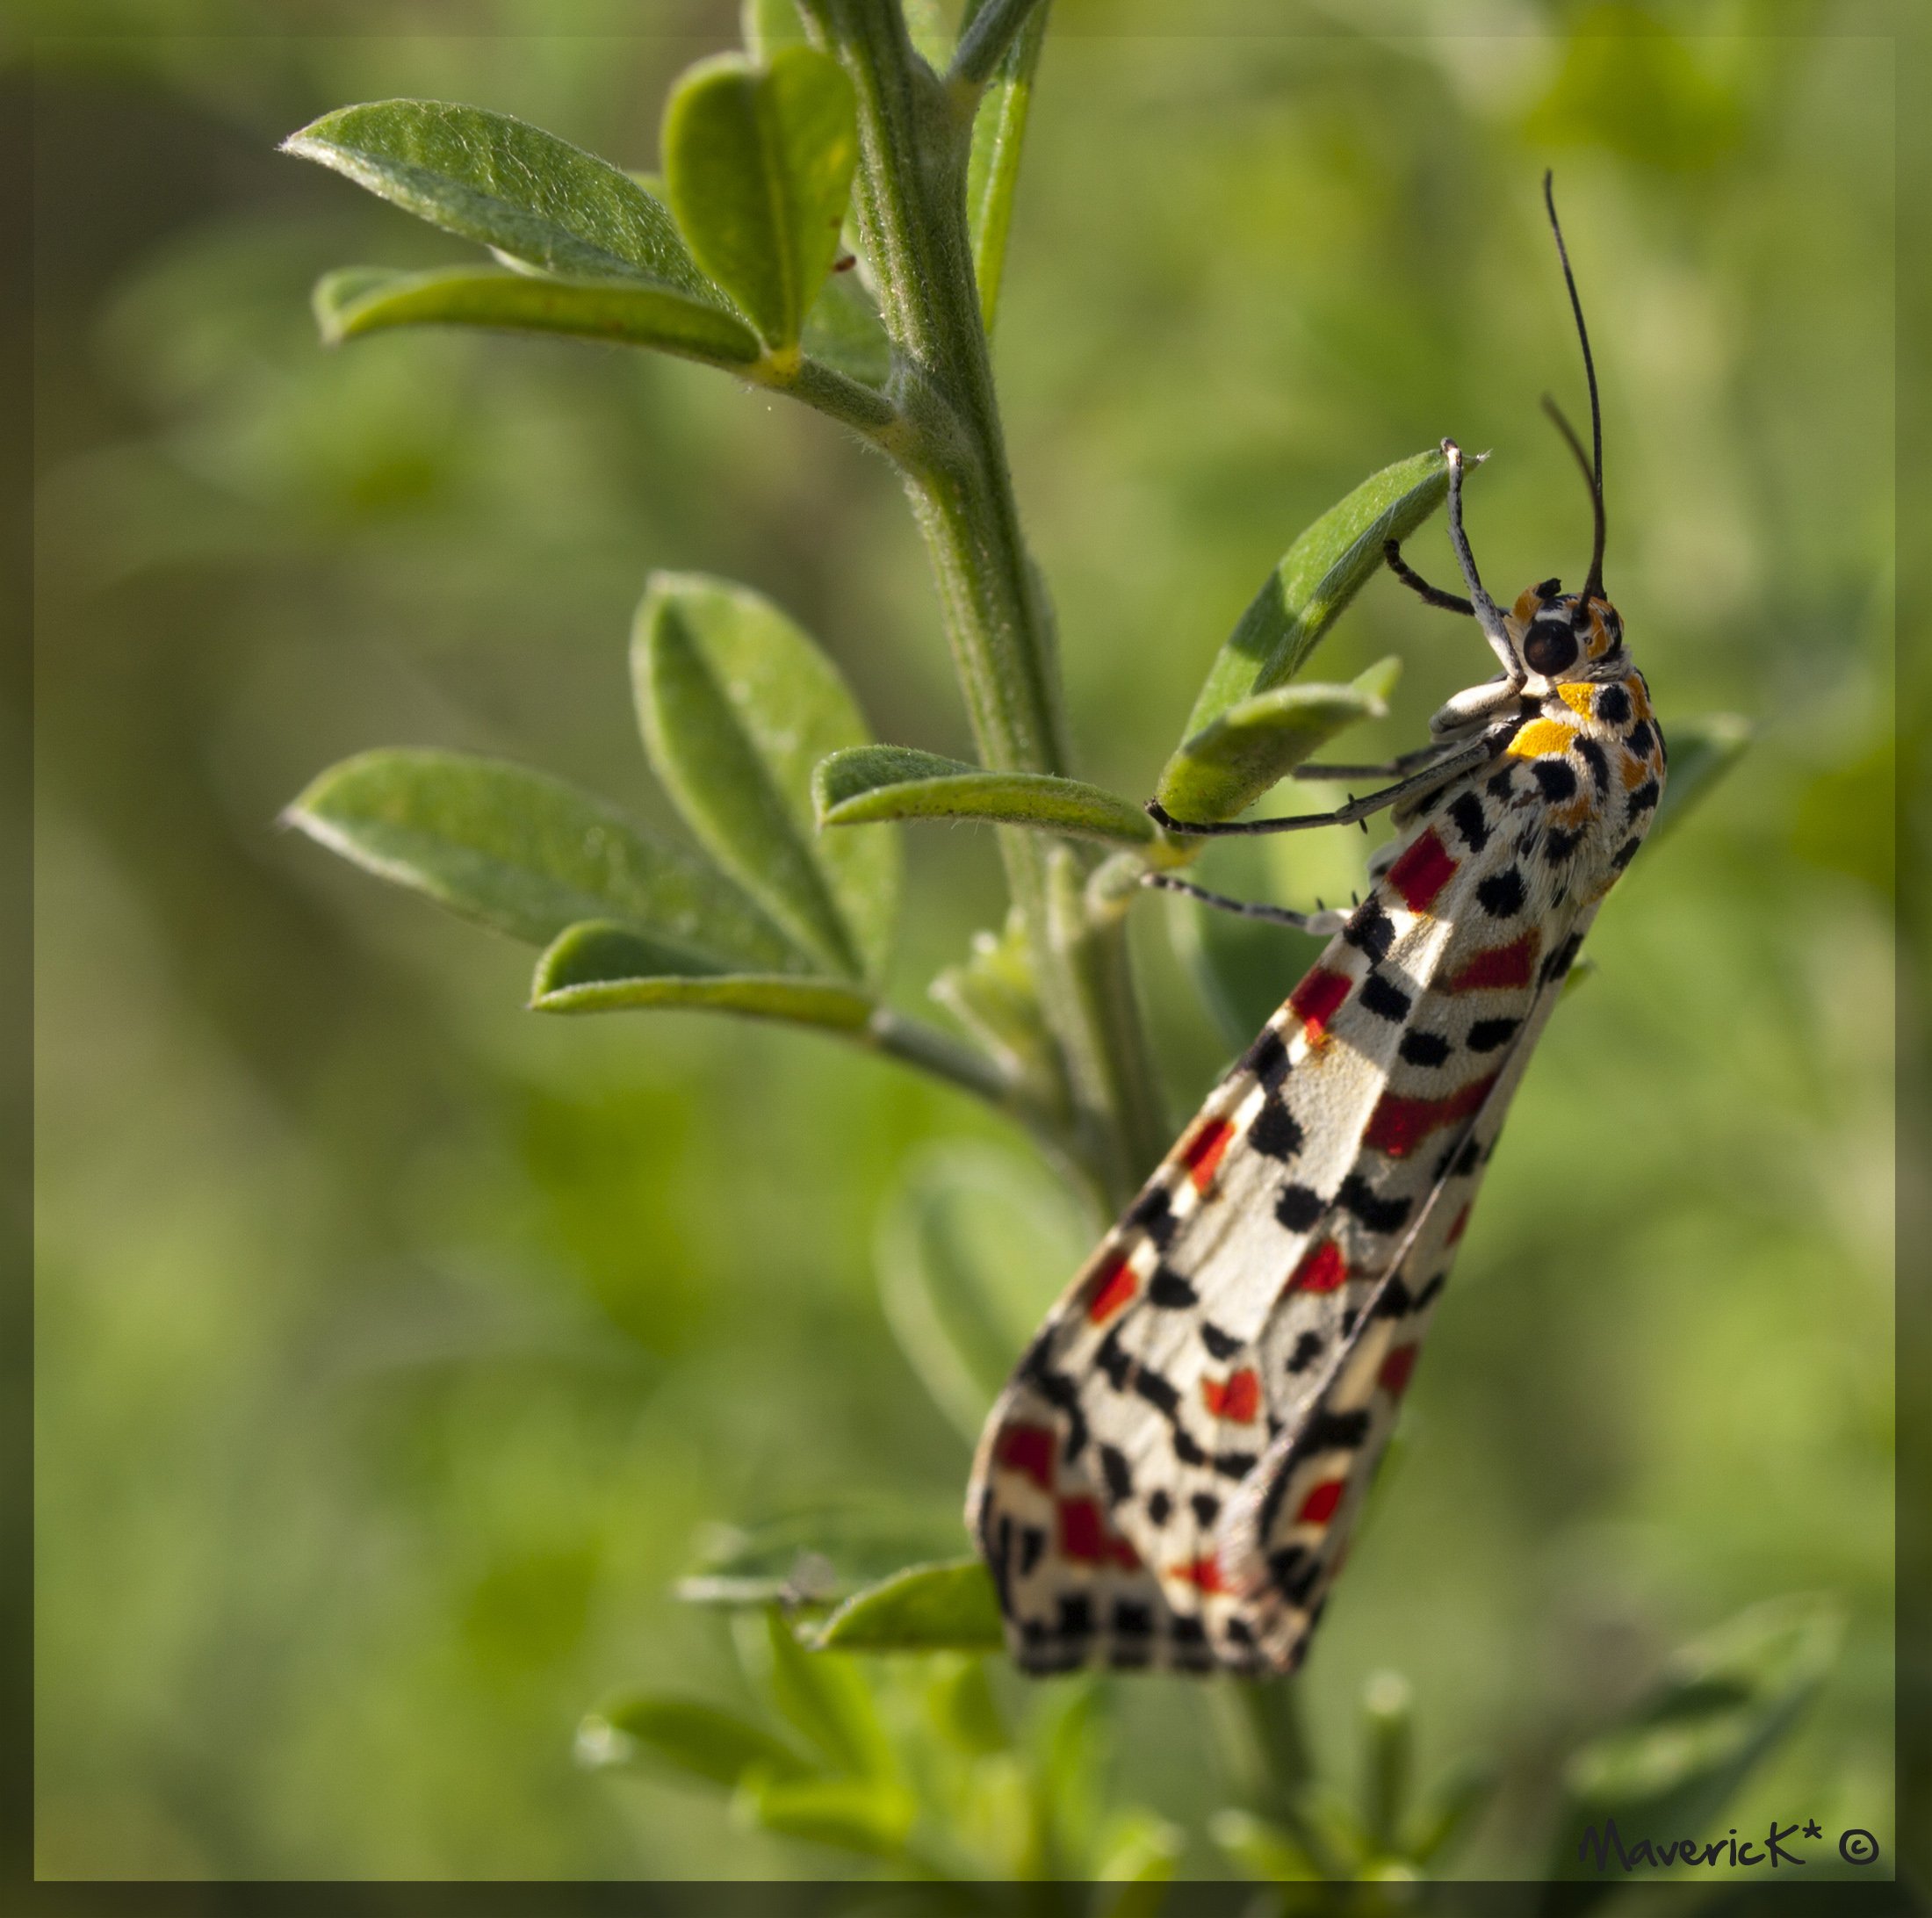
x,y
1171,1476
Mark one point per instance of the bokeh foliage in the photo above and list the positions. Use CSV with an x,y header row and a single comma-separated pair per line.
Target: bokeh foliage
x,y
397,1349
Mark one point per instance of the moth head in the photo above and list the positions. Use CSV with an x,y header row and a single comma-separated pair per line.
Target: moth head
x,y
1558,635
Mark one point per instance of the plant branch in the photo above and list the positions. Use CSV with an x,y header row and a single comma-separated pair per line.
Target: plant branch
x,y
914,1042
911,209
983,45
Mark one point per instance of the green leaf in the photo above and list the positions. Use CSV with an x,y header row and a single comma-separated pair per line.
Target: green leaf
x,y
992,168
962,1707
1702,751
1258,741
1315,580
764,25
948,1607
852,1814
1264,1850
737,706
509,184
598,966
758,164
358,299
993,995
1140,1852
873,783
1668,1769
973,1246
702,1740
826,1699
1389,1751
815,1556
844,331
1452,1804
529,855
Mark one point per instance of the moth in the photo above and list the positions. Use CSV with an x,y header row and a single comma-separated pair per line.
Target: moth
x,y
1170,1478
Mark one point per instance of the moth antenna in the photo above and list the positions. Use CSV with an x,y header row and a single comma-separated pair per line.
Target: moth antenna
x,y
1593,586
1596,581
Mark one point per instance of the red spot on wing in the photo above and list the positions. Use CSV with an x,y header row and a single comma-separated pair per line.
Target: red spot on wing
x,y
1315,1000
1112,1290
1319,1506
1399,1124
1460,1226
1501,966
1202,1153
1204,1573
1027,1449
1237,1398
1087,1538
1422,872
1393,1377
1323,1268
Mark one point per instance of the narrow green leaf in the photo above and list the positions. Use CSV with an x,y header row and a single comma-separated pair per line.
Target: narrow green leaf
x,y
828,1700
815,1556
509,184
1264,1850
362,300
1320,573
994,996
529,855
1139,1851
1702,751
737,706
1258,741
844,331
1668,1769
701,1738
948,1607
601,967
972,1247
993,169
872,782
758,164
962,1707
850,1814
1449,1809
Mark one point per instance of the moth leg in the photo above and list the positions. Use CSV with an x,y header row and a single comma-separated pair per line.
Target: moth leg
x,y
1431,596
1475,753
1393,768
1324,924
1488,615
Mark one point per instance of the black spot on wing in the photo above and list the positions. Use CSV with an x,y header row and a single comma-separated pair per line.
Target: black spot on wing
x,y
1131,1620
1378,1214
1114,1470
1307,1349
1370,928
1488,1034
1219,1345
1592,755
1561,960
1206,1508
1612,705
1640,739
1234,1465
1267,1058
1153,1213
1421,1048
1502,894
1160,1507
1467,815
1645,797
1499,782
1385,999
1076,1621
1299,1207
1558,845
1275,1132
1168,1290
1556,777
1625,853
1335,1431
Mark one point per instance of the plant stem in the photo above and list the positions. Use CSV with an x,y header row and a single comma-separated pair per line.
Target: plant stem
x,y
984,44
911,202
940,1054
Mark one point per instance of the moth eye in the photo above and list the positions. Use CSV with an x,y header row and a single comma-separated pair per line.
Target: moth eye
x,y
1549,648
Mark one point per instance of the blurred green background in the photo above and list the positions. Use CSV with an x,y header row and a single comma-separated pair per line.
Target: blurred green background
x,y
397,1347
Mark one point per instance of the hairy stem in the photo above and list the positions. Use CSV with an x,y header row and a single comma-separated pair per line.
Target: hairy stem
x,y
911,202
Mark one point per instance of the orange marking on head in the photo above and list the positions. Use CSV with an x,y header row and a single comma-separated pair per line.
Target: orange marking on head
x,y
1202,1153
1319,1506
1540,738
1237,1398
1112,1289
1528,603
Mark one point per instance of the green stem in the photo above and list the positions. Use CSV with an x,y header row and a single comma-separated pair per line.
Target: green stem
x,y
911,202
984,44
914,1042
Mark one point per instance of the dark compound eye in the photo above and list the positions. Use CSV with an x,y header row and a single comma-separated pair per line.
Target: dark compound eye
x,y
1550,648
